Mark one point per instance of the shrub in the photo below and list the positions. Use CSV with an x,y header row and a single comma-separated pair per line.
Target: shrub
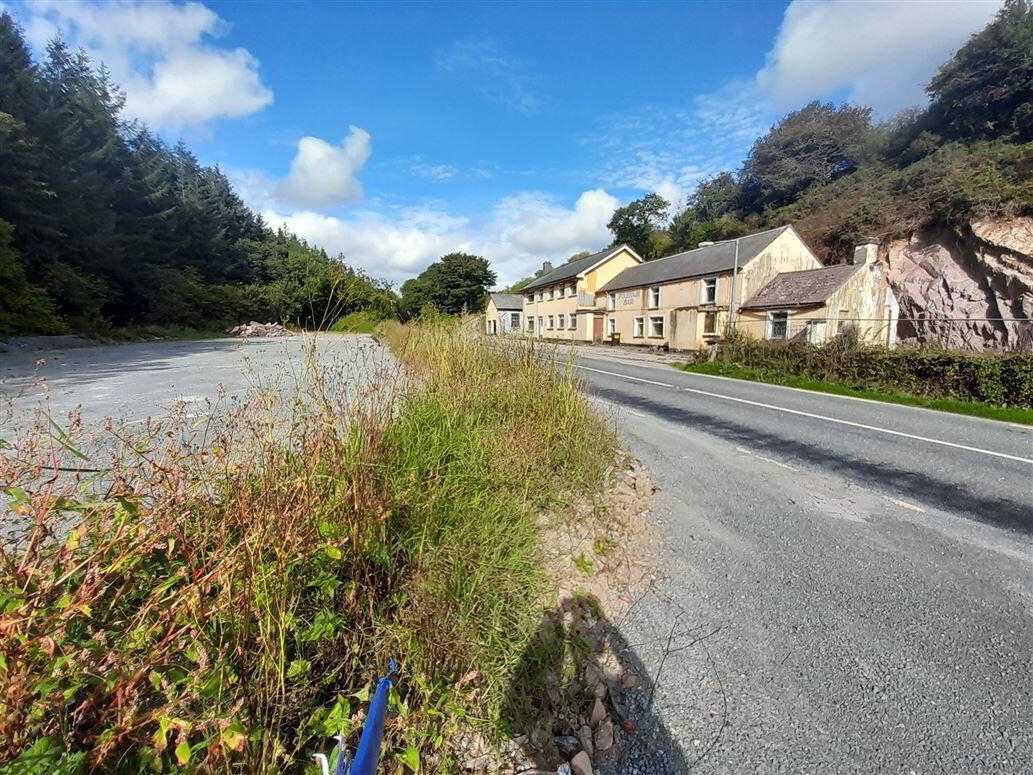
x,y
225,606
1001,379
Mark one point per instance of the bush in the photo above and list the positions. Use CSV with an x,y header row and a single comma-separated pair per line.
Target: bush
x,y
1001,379
226,607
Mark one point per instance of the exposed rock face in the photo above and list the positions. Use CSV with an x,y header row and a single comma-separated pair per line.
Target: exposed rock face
x,y
983,270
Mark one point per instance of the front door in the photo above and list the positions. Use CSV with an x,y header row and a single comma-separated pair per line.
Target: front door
x,y
597,329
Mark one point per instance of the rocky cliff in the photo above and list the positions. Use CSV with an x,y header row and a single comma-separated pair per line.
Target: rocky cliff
x,y
966,285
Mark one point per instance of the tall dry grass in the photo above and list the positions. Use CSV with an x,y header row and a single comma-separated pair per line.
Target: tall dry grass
x,y
223,604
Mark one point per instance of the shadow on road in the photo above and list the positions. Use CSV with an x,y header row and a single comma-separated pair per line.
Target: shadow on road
x,y
1002,512
578,655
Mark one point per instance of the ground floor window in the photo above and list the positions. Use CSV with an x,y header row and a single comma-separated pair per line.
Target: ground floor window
x,y
530,324
639,325
573,322
656,325
710,323
611,327
540,325
493,326
514,320
562,323
551,322
778,325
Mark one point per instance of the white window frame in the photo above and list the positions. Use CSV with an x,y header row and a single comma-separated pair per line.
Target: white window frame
x,y
541,324
514,320
771,324
639,331
652,326
530,324
571,290
551,322
529,298
654,297
561,321
611,326
611,301
572,322
713,331
703,294
539,297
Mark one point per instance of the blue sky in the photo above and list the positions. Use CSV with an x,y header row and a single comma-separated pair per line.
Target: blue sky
x,y
396,132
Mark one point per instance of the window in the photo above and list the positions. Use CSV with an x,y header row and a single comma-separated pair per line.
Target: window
x,y
492,326
550,322
708,291
778,325
611,301
530,324
550,294
571,290
656,325
529,298
562,322
514,320
572,322
710,323
539,295
638,327
611,326
654,298
540,326
844,322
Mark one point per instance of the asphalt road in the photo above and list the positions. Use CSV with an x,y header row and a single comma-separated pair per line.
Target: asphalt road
x,y
860,576
844,586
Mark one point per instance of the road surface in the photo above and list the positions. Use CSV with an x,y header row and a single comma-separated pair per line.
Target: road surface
x,y
868,569
861,573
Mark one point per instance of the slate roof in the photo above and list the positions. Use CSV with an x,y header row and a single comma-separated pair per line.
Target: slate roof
x,y
707,260
805,288
573,269
508,300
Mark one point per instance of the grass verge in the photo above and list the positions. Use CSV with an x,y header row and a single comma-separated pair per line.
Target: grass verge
x,y
222,603
972,408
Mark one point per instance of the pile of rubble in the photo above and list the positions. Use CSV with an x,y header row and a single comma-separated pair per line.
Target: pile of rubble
x,y
259,329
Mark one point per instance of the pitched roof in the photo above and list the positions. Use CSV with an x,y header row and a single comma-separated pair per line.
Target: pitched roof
x,y
508,300
709,259
574,268
804,288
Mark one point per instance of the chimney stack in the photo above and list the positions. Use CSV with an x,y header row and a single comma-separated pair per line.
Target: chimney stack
x,y
546,267
865,251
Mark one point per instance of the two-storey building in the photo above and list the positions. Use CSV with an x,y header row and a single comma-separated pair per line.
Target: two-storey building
x,y
562,302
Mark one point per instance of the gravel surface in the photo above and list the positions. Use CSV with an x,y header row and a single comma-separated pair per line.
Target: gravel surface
x,y
834,599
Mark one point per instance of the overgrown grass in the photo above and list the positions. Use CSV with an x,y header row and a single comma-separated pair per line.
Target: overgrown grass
x,y
223,603
361,322
973,408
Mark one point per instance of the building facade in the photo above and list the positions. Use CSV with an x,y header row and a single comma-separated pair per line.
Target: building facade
x,y
504,313
562,302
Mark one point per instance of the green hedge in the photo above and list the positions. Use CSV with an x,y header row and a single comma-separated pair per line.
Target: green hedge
x,y
1001,379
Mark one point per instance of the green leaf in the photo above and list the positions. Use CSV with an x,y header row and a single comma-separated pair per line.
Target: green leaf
x,y
234,736
183,752
410,757
333,552
298,668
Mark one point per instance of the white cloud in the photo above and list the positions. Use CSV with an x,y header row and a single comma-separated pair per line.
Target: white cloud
x,y
502,79
163,56
519,233
436,172
323,175
882,53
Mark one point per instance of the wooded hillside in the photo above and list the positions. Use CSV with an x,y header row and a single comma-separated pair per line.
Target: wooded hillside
x,y
102,224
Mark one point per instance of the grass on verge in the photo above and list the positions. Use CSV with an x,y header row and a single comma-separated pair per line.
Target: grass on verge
x,y
973,408
224,606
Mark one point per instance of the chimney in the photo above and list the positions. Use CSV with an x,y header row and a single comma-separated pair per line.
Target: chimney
x,y
865,251
705,244
546,267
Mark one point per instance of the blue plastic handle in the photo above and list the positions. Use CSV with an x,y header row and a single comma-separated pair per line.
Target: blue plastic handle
x,y
368,754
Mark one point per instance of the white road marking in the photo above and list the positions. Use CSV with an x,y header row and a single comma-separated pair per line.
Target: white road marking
x,y
765,459
906,505
820,417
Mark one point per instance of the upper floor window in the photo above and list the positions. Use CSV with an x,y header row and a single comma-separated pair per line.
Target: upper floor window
x,y
708,292
571,290
551,294
611,300
529,298
654,298
539,295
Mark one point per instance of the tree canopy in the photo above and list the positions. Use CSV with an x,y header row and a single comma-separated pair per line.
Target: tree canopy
x,y
638,224
103,224
457,283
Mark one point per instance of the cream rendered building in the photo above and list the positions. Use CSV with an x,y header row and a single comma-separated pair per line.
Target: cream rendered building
x,y
689,300
561,304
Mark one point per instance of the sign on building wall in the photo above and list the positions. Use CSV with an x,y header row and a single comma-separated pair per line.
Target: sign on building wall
x,y
628,298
